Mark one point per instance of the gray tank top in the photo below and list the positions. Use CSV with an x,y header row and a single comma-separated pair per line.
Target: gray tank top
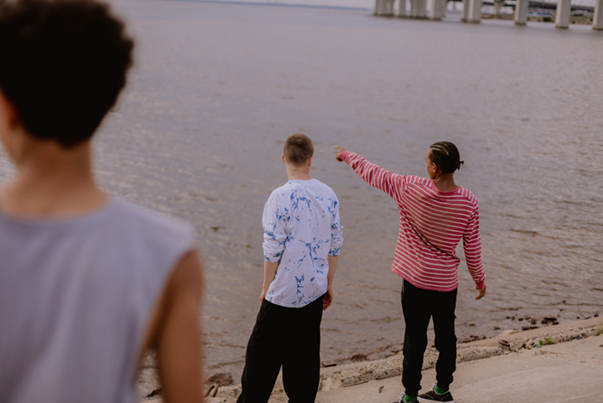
x,y
76,297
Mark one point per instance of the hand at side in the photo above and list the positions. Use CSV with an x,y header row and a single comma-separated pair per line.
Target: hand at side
x,y
328,300
482,292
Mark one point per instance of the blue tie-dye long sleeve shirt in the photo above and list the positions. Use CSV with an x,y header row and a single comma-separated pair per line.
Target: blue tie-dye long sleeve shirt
x,y
301,228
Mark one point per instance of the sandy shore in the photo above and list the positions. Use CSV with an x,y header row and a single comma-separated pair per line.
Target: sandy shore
x,y
516,353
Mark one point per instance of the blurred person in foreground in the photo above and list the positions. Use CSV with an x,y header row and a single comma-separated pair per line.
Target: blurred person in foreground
x,y
435,215
88,283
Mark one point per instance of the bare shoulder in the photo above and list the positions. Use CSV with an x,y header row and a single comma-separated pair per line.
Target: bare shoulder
x,y
176,334
183,289
187,273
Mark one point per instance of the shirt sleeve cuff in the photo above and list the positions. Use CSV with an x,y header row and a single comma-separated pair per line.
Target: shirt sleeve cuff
x,y
273,257
335,252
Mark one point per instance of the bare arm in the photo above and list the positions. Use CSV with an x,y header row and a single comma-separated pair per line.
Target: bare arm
x,y
328,301
176,335
269,273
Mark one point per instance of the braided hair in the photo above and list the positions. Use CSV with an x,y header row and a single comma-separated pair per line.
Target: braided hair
x,y
445,155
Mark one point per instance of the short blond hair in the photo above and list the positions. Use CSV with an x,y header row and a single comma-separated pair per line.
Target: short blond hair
x,y
298,149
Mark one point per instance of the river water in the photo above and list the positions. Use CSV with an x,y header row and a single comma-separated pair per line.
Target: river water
x,y
218,87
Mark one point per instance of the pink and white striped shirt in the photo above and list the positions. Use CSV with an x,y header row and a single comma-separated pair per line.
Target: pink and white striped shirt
x,y
432,223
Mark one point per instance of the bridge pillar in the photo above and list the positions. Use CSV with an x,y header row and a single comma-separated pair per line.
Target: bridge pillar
x,y
389,7
465,13
598,16
402,8
384,7
418,8
562,17
521,12
378,7
475,11
422,9
438,9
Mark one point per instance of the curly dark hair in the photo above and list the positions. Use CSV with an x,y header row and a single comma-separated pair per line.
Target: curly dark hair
x,y
445,155
63,64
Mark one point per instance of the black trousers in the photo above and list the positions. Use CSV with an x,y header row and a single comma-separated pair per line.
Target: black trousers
x,y
287,337
419,306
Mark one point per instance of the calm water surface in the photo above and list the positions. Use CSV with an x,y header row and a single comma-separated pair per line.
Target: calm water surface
x,y
218,87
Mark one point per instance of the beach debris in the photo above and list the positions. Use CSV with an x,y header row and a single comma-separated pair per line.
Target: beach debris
x,y
495,328
549,320
328,364
529,327
218,228
359,358
381,388
504,343
220,379
212,391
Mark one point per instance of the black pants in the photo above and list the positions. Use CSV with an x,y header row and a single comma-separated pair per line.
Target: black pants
x,y
419,306
287,337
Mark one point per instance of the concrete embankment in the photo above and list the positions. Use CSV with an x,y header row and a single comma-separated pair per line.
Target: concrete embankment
x,y
561,363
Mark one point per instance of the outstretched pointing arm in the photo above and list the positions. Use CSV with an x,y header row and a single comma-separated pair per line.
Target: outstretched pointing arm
x,y
373,174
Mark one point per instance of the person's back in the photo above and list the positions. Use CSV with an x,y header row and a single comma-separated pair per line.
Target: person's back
x,y
88,283
76,296
432,223
301,213
435,214
302,241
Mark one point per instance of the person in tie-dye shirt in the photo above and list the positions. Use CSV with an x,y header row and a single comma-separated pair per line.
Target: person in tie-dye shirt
x,y
302,240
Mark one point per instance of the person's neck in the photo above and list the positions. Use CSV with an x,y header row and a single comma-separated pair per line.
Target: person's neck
x,y
445,182
53,182
298,173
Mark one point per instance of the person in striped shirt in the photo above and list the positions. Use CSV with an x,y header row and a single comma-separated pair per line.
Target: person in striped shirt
x,y
435,215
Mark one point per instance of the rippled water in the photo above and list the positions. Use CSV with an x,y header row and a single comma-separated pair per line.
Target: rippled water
x,y
218,87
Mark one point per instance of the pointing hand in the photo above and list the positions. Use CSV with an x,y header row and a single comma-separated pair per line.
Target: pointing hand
x,y
340,150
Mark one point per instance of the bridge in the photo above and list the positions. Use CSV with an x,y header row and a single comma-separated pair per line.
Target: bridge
x,y
472,10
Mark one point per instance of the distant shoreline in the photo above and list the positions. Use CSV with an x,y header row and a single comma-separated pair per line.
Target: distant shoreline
x,y
255,3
